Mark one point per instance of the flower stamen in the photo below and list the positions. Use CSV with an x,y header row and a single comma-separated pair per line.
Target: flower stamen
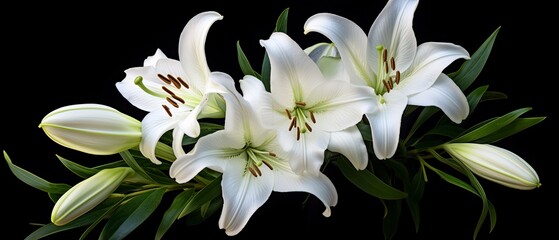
x,y
288,114
164,79
172,102
312,117
174,81
293,121
183,82
167,110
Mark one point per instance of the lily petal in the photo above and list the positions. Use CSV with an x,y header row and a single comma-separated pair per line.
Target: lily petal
x,y
261,101
385,124
349,143
431,59
393,30
447,96
134,94
208,152
154,125
243,194
349,39
152,60
338,105
320,186
178,135
292,71
192,46
307,154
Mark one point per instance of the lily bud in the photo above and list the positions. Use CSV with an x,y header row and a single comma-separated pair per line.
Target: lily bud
x,y
495,164
87,194
92,128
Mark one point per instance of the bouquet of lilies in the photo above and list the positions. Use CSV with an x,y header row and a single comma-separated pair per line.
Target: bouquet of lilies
x,y
213,143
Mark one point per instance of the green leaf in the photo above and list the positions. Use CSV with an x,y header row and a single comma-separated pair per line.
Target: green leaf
x,y
365,130
492,216
425,114
131,161
80,170
281,23
475,96
391,218
450,131
281,26
514,127
244,63
201,214
171,215
493,95
131,214
470,69
415,192
108,211
35,181
455,181
490,127
368,182
206,194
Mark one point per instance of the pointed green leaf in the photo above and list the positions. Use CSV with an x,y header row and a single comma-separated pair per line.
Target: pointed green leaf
x,y
131,214
106,214
173,212
203,213
425,114
365,130
368,182
470,69
490,127
514,127
493,95
244,63
415,191
35,181
206,194
80,170
131,161
281,23
475,96
391,218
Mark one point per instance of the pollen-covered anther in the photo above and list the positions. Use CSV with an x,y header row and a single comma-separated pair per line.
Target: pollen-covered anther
x,y
268,164
312,117
167,110
392,63
183,82
293,122
178,99
174,81
386,86
252,171
308,127
300,104
288,114
397,77
164,79
172,102
272,154
168,90
298,133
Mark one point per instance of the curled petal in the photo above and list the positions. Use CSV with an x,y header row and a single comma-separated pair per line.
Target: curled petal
x,y
349,143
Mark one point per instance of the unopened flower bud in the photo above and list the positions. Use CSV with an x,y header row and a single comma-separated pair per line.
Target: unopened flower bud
x,y
87,194
92,128
495,164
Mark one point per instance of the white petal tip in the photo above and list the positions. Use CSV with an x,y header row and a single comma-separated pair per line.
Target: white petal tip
x,y
327,212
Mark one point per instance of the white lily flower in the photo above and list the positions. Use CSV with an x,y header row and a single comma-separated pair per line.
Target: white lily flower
x,y
92,128
307,108
87,194
253,165
495,164
176,93
389,61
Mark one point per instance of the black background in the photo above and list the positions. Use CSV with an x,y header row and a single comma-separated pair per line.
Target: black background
x,y
76,53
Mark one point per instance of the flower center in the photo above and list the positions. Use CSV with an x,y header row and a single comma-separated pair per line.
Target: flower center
x,y
387,74
300,117
172,85
256,158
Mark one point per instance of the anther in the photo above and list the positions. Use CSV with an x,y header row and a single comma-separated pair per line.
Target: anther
x,y
268,164
397,77
390,83
386,85
178,98
385,67
298,133
164,79
272,154
168,90
183,82
384,55
288,114
293,121
312,117
172,102
167,110
308,127
302,104
174,81
252,171
392,63
257,170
